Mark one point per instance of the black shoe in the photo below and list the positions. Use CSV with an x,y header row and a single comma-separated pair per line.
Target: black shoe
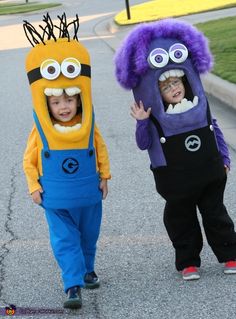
x,y
91,280
74,299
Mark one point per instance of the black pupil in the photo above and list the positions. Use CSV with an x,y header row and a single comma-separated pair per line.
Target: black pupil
x,y
70,69
159,58
51,69
178,54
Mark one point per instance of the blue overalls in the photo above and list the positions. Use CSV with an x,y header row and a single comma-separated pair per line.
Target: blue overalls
x,y
73,205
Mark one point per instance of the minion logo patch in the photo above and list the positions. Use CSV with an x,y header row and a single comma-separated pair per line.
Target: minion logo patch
x,y
70,165
192,143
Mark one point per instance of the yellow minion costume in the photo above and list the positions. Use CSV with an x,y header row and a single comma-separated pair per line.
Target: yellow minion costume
x,y
67,163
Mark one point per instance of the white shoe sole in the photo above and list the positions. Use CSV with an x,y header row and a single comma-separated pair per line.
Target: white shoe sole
x,y
192,277
229,271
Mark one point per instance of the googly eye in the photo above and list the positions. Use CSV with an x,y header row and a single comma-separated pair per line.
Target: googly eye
x,y
50,69
158,58
178,53
71,68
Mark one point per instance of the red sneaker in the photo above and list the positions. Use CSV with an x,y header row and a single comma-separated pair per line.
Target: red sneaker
x,y
190,273
230,267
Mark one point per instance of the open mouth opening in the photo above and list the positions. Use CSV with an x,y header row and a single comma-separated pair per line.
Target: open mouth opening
x,y
176,92
65,108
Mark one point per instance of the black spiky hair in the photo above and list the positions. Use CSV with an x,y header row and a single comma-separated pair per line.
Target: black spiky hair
x,y
48,30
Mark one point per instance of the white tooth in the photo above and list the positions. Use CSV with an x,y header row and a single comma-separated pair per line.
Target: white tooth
x,y
67,129
59,128
173,73
162,78
169,109
72,91
185,105
178,108
77,126
57,92
180,73
195,100
167,74
48,92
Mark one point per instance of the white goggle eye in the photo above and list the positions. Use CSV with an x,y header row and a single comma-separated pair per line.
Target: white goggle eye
x,y
158,58
50,69
71,68
178,53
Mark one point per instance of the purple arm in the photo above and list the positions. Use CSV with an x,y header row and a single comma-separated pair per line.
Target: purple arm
x,y
223,148
143,136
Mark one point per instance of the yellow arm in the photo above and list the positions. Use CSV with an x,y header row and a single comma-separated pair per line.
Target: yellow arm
x,y
102,155
30,162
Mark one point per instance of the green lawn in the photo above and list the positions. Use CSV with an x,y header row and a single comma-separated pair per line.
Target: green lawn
x,y
16,7
222,36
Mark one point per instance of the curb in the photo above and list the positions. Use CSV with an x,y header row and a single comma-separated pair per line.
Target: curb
x,y
223,90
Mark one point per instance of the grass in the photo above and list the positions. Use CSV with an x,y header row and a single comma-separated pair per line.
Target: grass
x,y
222,36
16,7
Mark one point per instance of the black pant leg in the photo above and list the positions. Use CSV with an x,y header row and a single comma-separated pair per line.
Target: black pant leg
x,y
181,222
218,226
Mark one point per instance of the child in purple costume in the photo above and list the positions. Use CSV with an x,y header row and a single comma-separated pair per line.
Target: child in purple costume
x,y
161,63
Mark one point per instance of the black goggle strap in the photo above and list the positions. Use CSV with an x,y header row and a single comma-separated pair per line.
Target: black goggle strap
x,y
35,75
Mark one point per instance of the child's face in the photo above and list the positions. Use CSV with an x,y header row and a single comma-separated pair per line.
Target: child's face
x,y
63,108
172,90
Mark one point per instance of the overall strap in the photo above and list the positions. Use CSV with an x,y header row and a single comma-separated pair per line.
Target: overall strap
x,y
90,146
41,133
209,121
157,125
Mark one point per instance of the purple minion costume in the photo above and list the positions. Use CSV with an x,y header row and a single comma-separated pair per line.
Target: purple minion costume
x,y
186,148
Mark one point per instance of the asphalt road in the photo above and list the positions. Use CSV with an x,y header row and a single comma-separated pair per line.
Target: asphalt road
x,y
135,259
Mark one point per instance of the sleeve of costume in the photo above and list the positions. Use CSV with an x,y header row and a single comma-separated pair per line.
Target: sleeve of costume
x,y
223,149
30,162
102,155
143,137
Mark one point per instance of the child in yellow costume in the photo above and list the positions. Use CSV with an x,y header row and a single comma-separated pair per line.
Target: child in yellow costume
x,y
66,161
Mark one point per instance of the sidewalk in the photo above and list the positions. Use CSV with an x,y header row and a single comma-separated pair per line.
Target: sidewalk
x,y
223,90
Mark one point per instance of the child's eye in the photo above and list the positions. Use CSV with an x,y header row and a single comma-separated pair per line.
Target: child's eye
x,y
165,89
176,82
55,103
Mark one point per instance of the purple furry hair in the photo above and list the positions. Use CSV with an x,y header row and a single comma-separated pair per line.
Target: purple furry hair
x,y
131,57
